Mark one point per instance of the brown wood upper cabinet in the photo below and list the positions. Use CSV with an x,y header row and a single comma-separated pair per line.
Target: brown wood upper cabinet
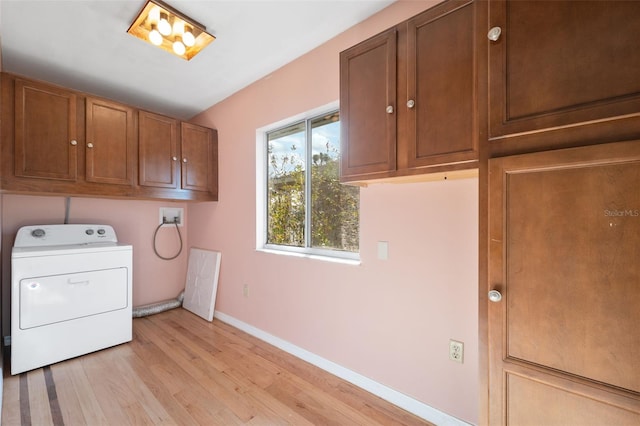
x,y
48,139
158,150
45,130
60,141
368,108
199,147
110,142
160,154
563,73
408,97
190,164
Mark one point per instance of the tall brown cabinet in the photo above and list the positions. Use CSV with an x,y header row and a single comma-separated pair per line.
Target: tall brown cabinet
x,y
546,97
563,217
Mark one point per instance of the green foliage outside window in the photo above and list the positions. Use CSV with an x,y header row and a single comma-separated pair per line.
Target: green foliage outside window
x,y
334,208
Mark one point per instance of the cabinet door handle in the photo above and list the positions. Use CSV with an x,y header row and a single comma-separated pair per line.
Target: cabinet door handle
x,y
411,103
74,142
89,145
495,296
390,109
494,33
174,158
184,160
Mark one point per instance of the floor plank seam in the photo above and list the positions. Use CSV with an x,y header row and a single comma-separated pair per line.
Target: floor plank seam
x,y
25,409
54,405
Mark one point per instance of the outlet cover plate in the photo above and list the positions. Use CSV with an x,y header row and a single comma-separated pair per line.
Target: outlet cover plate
x,y
456,351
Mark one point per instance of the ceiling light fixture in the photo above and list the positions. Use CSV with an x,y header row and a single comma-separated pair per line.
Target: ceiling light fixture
x,y
165,27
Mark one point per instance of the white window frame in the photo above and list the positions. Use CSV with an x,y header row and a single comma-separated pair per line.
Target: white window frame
x,y
261,196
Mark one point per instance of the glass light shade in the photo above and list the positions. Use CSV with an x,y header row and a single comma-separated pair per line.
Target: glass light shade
x,y
154,15
163,25
178,27
154,36
178,47
187,37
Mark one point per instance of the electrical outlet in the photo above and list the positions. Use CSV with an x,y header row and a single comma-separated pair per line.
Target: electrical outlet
x,y
456,351
245,290
167,216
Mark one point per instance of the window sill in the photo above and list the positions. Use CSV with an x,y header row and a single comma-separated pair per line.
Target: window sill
x,y
331,259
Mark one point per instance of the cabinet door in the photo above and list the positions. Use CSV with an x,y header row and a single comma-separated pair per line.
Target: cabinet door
x,y
562,63
367,108
564,237
110,143
158,150
199,158
441,95
45,132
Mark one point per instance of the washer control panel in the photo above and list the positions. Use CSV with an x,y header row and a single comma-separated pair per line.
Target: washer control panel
x,y
60,235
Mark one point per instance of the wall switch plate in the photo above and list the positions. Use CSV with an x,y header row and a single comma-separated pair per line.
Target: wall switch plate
x,y
383,250
170,214
245,290
456,351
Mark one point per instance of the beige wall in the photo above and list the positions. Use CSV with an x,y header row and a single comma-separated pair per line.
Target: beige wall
x,y
390,321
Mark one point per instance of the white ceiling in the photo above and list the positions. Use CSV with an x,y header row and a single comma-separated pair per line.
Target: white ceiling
x,y
84,45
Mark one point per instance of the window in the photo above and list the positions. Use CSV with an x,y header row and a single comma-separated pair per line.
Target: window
x,y
307,209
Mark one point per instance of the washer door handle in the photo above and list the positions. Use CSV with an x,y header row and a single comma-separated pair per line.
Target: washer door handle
x,y
85,282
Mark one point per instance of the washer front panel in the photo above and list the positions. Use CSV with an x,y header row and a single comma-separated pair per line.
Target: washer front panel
x,y
51,299
68,301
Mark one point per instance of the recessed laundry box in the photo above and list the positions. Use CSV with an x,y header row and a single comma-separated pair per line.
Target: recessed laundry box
x,y
71,288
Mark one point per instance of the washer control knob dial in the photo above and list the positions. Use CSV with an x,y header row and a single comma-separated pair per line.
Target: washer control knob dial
x,y
101,231
89,231
38,233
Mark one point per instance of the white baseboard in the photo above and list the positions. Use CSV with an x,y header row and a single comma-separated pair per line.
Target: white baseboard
x,y
401,400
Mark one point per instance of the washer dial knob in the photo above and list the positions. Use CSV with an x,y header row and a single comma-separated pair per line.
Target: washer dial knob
x,y
38,233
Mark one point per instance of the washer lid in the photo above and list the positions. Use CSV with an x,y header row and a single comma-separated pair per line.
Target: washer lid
x,y
60,235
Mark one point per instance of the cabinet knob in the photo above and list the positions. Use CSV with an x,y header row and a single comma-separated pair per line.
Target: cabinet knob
x,y
390,109
89,145
74,142
494,33
495,296
184,160
411,103
174,158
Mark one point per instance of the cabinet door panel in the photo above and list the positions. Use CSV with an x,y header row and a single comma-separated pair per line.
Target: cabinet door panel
x,y
564,237
197,158
441,82
109,142
367,89
158,150
560,63
45,130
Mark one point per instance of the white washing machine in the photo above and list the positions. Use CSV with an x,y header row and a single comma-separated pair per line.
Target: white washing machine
x,y
71,288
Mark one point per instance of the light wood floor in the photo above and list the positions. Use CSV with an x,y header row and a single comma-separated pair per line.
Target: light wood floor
x,y
180,369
